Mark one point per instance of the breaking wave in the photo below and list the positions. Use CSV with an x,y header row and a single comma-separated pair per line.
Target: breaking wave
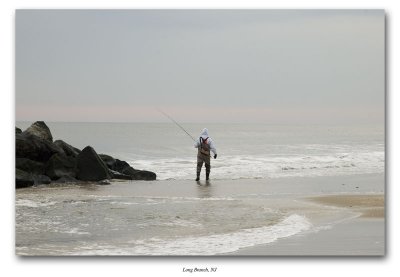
x,y
209,244
272,166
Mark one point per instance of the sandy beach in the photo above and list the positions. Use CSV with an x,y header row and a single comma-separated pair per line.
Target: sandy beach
x,y
325,216
363,235
371,206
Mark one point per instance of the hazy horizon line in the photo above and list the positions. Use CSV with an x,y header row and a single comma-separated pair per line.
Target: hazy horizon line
x,y
209,123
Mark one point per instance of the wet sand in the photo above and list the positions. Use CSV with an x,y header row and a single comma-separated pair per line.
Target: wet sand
x,y
362,235
346,212
371,206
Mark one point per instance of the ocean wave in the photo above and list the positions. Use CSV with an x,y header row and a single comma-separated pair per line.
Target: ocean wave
x,y
177,222
210,244
74,231
33,204
274,166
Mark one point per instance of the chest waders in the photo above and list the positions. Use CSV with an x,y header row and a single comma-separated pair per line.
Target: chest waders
x,y
203,156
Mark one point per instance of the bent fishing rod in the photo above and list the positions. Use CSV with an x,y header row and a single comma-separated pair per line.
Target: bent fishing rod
x,y
177,124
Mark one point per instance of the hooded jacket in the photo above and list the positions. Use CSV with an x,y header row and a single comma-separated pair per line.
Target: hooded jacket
x,y
204,135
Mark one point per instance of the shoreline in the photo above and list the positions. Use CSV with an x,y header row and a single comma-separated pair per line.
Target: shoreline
x,y
361,235
346,213
369,205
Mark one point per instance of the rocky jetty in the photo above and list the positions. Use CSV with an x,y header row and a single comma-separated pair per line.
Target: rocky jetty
x,y
39,160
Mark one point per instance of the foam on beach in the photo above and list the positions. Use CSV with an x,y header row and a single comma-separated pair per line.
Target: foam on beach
x,y
337,160
181,217
211,244
33,204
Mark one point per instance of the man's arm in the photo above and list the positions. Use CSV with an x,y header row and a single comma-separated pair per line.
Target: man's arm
x,y
212,148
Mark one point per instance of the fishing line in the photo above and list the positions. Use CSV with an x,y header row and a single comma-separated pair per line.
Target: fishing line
x,y
177,124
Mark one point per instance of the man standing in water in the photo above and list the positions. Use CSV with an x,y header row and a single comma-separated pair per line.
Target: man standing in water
x,y
204,144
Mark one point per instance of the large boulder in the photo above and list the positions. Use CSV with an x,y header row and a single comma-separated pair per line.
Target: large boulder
x,y
129,171
61,165
144,175
68,149
118,175
39,129
120,166
139,174
23,179
66,179
90,166
30,166
18,130
108,160
122,170
41,179
34,148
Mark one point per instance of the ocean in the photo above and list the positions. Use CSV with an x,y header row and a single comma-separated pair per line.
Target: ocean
x,y
177,216
244,150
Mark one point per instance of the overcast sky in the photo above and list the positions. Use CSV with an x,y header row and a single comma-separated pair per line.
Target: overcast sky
x,y
270,66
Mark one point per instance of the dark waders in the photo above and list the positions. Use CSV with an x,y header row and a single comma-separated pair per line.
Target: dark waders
x,y
202,158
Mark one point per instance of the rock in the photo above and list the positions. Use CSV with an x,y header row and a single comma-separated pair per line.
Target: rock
x,y
139,174
68,149
104,182
129,171
61,165
23,179
66,179
118,175
34,148
41,179
108,160
40,129
144,175
120,165
27,178
36,155
90,166
30,166
126,172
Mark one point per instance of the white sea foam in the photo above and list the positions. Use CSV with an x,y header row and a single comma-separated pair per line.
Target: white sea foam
x,y
163,199
202,199
74,231
174,223
33,204
336,161
211,244
124,203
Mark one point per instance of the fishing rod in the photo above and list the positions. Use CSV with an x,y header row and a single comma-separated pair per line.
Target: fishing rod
x,y
183,129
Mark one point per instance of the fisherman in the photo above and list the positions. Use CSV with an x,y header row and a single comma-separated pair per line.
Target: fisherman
x,y
204,144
